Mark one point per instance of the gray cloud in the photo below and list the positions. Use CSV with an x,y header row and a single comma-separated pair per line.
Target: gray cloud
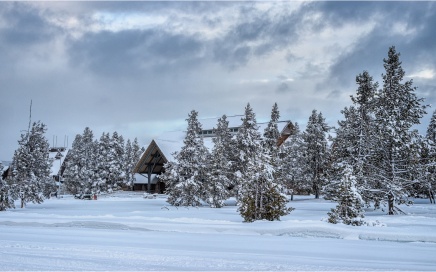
x,y
283,87
143,78
259,35
369,50
130,52
25,26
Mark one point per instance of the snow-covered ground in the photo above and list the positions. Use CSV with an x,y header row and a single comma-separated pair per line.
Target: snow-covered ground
x,y
125,231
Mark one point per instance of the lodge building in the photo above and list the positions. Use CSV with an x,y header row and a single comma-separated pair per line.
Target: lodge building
x,y
161,150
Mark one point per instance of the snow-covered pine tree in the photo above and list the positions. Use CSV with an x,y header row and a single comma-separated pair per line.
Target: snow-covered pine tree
x,y
220,165
428,161
316,152
431,129
72,174
96,183
292,163
31,167
132,154
349,209
104,160
185,177
259,196
354,134
346,144
271,135
349,148
397,110
247,144
362,125
115,157
128,164
6,201
80,172
137,153
274,198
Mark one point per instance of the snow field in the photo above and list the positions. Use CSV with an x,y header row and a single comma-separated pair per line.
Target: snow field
x,y
125,231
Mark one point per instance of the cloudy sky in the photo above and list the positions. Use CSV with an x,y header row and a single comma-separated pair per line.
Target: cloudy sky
x,y
138,68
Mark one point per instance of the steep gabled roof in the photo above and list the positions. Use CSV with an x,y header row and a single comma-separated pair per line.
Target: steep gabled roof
x,y
57,156
152,159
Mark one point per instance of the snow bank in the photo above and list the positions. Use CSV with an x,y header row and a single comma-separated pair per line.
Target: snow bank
x,y
124,231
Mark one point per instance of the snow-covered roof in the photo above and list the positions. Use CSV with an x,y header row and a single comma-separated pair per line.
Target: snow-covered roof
x,y
57,156
210,123
4,165
173,141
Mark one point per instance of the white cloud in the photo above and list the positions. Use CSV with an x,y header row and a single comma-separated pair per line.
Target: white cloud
x,y
255,81
424,74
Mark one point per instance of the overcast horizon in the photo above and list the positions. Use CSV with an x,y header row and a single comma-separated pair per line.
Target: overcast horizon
x,y
139,68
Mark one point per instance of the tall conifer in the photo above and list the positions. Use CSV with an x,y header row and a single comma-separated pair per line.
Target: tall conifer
x,y
316,152
31,167
220,165
6,201
185,177
397,110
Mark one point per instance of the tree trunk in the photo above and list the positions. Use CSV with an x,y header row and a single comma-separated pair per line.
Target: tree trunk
x,y
391,204
431,196
22,203
316,190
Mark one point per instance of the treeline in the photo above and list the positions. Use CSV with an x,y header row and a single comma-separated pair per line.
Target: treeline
x,y
95,166
91,166
376,158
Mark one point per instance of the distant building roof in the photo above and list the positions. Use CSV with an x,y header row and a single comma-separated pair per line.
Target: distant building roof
x,y
57,156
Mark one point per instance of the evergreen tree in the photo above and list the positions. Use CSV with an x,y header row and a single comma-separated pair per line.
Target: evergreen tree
x,y
259,195
349,149
356,134
292,163
348,139
80,173
31,167
128,164
349,209
316,152
137,152
275,194
72,174
6,201
431,129
185,177
115,157
132,154
95,183
397,110
272,134
428,161
219,173
247,143
104,161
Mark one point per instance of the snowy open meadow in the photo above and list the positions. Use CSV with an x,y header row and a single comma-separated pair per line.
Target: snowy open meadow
x,y
125,231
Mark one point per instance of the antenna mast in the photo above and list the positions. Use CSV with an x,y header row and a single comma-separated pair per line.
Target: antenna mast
x,y
30,117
